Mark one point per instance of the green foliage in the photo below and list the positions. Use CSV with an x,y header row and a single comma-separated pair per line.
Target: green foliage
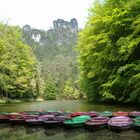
x,y
50,91
17,65
56,55
70,90
109,49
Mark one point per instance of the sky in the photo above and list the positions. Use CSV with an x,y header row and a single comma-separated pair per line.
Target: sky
x,y
40,14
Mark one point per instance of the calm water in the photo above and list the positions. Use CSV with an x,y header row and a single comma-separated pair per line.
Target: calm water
x,y
21,132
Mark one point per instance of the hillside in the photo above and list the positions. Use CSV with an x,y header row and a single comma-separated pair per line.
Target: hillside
x,y
54,49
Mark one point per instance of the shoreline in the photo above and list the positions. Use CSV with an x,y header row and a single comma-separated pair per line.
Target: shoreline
x,y
10,101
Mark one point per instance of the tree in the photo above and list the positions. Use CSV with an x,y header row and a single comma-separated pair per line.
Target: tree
x,y
17,64
109,49
50,92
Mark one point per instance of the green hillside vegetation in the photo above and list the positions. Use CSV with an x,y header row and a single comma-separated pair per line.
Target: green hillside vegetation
x,y
57,58
109,52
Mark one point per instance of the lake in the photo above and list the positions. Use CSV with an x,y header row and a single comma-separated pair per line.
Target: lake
x,y
23,132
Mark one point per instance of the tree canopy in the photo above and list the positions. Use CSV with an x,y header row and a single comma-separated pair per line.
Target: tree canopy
x,y
17,65
109,51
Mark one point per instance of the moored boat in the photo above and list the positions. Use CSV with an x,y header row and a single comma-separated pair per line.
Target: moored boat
x,y
106,114
34,121
76,114
46,117
58,113
4,118
55,121
120,113
136,124
93,114
62,118
76,121
97,122
17,118
134,114
32,112
119,123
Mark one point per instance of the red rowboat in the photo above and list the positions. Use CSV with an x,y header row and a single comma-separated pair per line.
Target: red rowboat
x,y
120,113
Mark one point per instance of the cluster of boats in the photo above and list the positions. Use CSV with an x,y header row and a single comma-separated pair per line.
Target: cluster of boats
x,y
91,120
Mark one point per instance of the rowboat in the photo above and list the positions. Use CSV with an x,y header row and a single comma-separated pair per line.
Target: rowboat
x,y
93,114
45,113
134,114
55,121
32,112
67,113
120,113
4,118
97,122
75,114
62,118
57,113
34,121
76,121
106,114
119,123
17,118
136,123
46,117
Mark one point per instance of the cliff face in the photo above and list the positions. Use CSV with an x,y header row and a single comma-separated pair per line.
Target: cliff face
x,y
60,23
64,33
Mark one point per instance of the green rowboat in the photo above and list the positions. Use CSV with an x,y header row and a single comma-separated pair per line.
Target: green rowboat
x,y
136,124
106,114
77,121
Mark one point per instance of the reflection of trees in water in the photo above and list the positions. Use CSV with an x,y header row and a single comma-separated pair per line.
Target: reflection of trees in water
x,y
53,131
76,132
33,129
9,132
105,134
2,125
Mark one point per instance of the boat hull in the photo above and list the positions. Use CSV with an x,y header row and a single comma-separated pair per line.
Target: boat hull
x,y
34,122
97,123
73,125
17,121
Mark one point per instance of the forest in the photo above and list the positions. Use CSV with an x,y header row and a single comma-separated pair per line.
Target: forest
x,y
100,62
109,52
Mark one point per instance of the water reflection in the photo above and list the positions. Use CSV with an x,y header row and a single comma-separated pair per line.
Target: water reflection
x,y
33,129
64,106
22,132
7,132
